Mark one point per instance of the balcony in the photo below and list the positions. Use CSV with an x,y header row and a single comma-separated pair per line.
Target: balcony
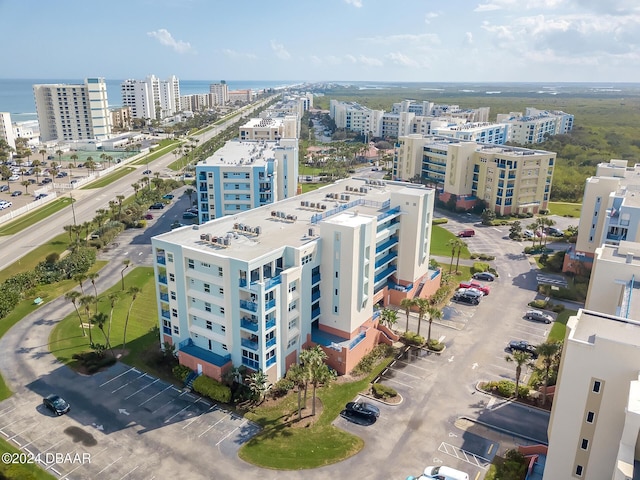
x,y
165,314
248,324
270,304
162,279
242,282
245,342
187,346
164,297
272,282
247,305
161,259
271,342
314,279
386,244
271,361
385,273
202,176
361,336
247,362
386,259
166,330
270,324
315,313
393,211
315,296
202,189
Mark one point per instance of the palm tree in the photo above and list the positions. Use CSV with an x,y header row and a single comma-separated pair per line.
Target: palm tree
x,y
133,291
320,373
100,319
259,384
119,198
93,276
434,313
80,277
42,152
521,359
59,153
547,352
388,317
85,302
298,375
136,187
423,308
190,192
69,228
126,263
113,298
308,357
73,297
25,184
407,304
74,159
456,246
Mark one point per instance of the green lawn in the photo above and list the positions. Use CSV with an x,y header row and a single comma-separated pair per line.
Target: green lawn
x,y
307,170
281,446
28,471
5,391
29,261
565,209
108,179
66,338
308,187
30,219
559,328
166,146
439,239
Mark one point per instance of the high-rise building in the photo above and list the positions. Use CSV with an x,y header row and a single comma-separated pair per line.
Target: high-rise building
x,y
73,112
536,125
508,179
221,92
255,288
270,128
353,116
6,129
152,98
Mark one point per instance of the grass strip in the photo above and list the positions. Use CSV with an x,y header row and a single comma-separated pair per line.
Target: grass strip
x,y
109,179
26,221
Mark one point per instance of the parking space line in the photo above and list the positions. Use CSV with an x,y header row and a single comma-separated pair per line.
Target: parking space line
x,y
36,439
229,434
414,366
396,381
51,446
22,431
66,475
131,381
198,416
9,424
8,410
151,398
115,378
404,373
117,459
176,414
210,427
138,391
130,471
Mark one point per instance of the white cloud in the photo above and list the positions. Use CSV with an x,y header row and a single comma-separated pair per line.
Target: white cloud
x,y
407,38
468,38
519,5
402,59
355,3
370,61
487,7
165,38
234,54
280,51
430,15
315,60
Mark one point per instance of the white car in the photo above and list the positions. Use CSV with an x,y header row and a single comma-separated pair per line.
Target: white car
x,y
13,178
4,204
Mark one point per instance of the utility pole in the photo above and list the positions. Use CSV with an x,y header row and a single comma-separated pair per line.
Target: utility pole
x,y
73,209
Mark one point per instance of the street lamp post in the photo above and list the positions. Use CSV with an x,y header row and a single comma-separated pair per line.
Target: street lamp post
x,y
73,209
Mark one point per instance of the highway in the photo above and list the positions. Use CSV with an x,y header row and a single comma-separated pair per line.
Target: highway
x,y
86,203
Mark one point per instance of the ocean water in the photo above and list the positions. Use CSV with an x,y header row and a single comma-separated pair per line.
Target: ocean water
x,y
16,95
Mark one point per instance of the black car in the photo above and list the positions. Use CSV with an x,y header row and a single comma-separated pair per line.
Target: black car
x,y
16,193
146,172
363,408
522,346
464,298
46,180
486,276
357,418
56,404
157,206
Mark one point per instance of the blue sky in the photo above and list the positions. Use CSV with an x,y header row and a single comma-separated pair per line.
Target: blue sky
x,y
313,40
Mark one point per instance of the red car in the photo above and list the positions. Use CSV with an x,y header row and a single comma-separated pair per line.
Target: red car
x,y
478,286
148,216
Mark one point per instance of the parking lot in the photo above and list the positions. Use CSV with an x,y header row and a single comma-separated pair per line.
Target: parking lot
x,y
121,407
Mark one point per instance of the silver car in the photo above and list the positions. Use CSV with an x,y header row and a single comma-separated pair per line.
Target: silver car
x,y
538,316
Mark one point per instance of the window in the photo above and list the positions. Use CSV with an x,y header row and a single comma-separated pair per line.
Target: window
x,y
191,263
223,328
597,385
292,287
172,277
220,271
206,265
221,310
176,330
306,259
590,417
166,323
209,325
293,306
209,344
335,309
221,291
224,346
173,295
170,257
579,470
293,323
336,274
207,288
585,444
207,307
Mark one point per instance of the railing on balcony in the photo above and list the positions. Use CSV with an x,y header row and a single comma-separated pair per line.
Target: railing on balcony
x,y
247,362
247,305
388,213
166,330
357,340
165,314
386,259
245,342
386,244
385,273
202,189
315,278
272,282
164,297
242,282
161,259
270,304
271,361
162,279
270,324
249,324
315,313
271,342
315,296
376,314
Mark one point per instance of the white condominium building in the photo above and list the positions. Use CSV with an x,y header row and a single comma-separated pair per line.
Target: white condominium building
x,y
353,116
73,112
246,174
508,179
594,430
6,130
536,125
152,98
610,211
270,128
221,92
255,288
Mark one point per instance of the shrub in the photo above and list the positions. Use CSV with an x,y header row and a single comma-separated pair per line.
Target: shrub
x,y
382,391
181,372
94,361
544,212
366,363
558,307
473,256
435,345
479,267
413,338
210,388
539,304
484,256
281,387
439,221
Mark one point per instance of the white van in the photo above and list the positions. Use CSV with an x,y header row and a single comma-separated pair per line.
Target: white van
x,y
441,473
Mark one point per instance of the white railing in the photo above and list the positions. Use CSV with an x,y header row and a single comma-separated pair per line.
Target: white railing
x,y
27,208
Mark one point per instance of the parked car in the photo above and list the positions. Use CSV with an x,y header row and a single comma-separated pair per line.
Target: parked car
x,y
188,175
467,233
16,193
357,418
472,292
522,346
486,276
527,234
441,472
478,286
464,298
148,216
46,180
13,178
5,204
538,316
146,172
168,196
62,174
363,408
554,232
80,165
193,210
4,188
189,215
56,404
40,196
157,206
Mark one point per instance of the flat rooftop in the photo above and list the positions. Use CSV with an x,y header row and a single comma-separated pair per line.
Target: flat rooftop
x,y
591,325
294,221
243,152
269,122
